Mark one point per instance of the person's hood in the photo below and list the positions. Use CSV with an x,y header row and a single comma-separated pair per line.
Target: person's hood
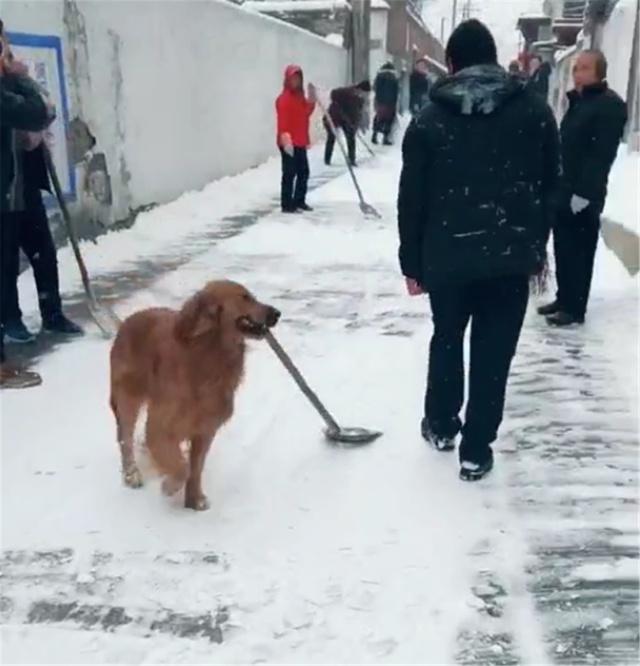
x,y
289,73
477,90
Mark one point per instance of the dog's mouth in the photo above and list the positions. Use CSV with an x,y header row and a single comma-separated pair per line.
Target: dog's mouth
x,y
251,328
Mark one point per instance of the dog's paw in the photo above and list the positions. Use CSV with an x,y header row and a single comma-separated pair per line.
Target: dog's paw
x,y
171,485
200,503
132,478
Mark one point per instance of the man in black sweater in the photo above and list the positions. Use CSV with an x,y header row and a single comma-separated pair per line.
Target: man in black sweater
x,y
591,131
480,170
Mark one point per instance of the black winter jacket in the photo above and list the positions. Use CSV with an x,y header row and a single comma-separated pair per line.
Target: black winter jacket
x,y
590,134
539,82
418,90
23,108
479,178
386,88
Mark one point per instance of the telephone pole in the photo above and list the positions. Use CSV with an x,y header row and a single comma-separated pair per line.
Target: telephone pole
x,y
361,44
454,15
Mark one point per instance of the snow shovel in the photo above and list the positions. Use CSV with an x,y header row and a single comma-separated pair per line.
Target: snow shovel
x,y
333,432
107,321
366,208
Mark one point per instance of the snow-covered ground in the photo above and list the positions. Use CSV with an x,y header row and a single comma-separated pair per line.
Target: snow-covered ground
x,y
311,553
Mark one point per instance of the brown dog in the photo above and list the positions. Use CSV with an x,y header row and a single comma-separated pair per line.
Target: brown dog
x,y
185,366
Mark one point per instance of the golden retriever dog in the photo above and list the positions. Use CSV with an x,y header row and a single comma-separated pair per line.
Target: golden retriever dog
x,y
185,366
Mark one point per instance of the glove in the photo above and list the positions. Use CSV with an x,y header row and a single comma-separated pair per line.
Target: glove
x,y
578,204
287,144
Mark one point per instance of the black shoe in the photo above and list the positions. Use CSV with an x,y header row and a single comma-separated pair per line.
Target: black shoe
x,y
289,210
374,139
305,207
562,319
472,471
439,443
549,309
387,142
59,324
18,333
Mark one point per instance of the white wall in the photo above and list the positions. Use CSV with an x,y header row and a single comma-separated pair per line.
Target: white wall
x,y
378,56
177,93
616,41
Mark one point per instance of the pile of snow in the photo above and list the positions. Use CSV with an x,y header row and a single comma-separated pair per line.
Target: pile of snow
x,y
335,39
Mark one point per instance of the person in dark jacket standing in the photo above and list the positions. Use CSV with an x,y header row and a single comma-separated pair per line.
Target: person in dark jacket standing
x,y
294,111
418,86
590,131
36,241
539,74
345,110
479,177
22,108
386,102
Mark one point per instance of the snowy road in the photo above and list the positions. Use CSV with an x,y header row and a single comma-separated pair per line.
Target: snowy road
x,y
312,553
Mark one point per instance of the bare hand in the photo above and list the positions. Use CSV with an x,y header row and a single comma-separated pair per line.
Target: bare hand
x,y
413,287
312,93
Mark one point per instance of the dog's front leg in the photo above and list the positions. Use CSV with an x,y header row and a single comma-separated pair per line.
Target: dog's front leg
x,y
194,496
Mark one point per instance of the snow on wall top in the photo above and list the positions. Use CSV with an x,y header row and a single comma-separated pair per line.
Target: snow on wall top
x,y
297,5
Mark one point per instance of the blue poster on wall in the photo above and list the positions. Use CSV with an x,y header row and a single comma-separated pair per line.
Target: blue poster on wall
x,y
43,56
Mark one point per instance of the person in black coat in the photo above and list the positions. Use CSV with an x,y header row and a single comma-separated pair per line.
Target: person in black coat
x,y
479,178
387,89
418,86
22,108
346,110
591,131
539,74
30,227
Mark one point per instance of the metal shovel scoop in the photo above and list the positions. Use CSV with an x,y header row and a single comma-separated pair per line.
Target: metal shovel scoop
x,y
333,432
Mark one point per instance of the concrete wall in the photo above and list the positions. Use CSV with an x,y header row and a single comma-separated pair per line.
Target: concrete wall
x,y
176,93
378,55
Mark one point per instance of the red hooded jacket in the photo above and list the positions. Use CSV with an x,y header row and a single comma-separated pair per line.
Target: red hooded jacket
x,y
293,110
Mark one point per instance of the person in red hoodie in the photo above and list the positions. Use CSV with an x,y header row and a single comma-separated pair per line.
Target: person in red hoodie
x,y
294,111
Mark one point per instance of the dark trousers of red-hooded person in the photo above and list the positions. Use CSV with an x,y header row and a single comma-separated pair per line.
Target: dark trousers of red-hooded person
x,y
293,112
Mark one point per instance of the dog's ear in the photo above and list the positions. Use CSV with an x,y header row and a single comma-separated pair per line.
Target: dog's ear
x,y
198,316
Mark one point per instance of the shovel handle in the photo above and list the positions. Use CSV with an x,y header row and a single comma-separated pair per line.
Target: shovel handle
x,y
301,382
53,174
343,150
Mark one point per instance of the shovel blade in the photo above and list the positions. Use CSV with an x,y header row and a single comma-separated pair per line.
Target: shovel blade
x,y
106,320
369,210
352,436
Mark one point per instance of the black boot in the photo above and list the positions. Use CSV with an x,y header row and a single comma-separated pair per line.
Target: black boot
x,y
437,441
549,309
562,319
305,206
374,138
58,323
474,471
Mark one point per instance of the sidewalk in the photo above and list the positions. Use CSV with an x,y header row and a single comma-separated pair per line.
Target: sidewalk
x,y
312,554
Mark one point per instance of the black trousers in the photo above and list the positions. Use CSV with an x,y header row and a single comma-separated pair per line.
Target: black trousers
x,y
575,240
496,308
29,230
350,136
383,123
295,178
